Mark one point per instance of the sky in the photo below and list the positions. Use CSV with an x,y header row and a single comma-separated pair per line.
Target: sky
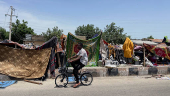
x,y
139,18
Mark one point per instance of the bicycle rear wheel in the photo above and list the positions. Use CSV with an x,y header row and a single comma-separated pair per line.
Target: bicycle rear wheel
x,y
61,80
86,79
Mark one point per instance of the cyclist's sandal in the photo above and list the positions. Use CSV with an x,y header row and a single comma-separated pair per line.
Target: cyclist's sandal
x,y
76,85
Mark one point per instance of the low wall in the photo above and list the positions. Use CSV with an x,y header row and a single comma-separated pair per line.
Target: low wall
x,y
123,71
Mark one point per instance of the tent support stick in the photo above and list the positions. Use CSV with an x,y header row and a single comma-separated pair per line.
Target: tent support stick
x,y
58,59
32,82
144,56
64,52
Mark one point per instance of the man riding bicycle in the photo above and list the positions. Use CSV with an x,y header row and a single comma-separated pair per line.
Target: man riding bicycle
x,y
79,61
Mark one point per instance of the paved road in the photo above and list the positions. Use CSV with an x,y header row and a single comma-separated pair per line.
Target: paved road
x,y
102,86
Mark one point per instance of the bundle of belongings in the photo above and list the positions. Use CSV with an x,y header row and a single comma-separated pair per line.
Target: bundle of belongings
x,y
117,53
138,57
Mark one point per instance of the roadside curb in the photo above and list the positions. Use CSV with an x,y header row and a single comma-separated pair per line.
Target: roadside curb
x,y
122,71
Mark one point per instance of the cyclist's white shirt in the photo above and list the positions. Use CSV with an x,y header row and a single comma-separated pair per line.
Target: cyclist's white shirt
x,y
84,57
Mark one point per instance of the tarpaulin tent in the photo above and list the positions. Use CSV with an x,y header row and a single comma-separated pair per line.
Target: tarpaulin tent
x,y
23,63
91,46
50,44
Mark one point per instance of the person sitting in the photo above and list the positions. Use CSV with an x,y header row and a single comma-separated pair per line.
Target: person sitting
x,y
79,62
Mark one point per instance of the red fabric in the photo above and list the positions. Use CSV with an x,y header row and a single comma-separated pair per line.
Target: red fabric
x,y
160,51
105,42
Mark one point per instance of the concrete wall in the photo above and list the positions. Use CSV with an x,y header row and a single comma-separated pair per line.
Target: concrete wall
x,y
122,71
37,38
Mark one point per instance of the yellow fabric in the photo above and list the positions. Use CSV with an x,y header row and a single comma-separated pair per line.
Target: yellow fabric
x,y
111,50
128,48
63,36
63,42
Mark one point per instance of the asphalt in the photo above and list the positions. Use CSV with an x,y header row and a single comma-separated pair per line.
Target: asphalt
x,y
101,86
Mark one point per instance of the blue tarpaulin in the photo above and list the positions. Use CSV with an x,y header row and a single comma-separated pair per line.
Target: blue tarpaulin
x,y
95,36
4,84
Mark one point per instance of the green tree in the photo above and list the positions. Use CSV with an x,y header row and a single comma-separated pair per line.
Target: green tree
x,y
114,34
89,31
3,34
150,37
50,33
19,30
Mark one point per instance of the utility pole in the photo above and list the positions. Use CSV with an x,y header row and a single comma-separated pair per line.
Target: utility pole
x,y
1,37
10,26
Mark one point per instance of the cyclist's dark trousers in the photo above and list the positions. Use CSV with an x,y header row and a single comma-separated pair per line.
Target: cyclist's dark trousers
x,y
77,65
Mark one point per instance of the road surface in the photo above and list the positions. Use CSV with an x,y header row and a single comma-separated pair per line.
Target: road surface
x,y
101,86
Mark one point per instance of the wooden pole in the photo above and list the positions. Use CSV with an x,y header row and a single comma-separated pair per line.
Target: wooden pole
x,y
144,55
58,59
32,82
64,52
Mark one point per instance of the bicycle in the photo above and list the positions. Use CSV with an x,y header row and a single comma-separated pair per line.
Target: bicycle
x,y
61,80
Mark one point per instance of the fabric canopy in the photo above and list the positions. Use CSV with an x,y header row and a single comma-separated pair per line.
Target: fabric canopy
x,y
50,44
23,63
91,46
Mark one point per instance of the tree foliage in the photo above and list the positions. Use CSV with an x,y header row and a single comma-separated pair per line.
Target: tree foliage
x,y
19,30
89,31
114,34
54,32
150,37
3,34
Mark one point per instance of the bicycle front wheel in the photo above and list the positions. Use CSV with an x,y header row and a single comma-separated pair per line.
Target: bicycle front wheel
x,y
61,80
86,79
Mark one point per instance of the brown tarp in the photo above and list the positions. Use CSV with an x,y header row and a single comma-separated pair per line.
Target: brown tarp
x,y
20,63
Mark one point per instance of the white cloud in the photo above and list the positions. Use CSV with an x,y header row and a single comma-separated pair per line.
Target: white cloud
x,y
38,23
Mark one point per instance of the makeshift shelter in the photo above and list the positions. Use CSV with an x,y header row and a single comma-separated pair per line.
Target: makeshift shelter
x,y
23,63
92,47
50,44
